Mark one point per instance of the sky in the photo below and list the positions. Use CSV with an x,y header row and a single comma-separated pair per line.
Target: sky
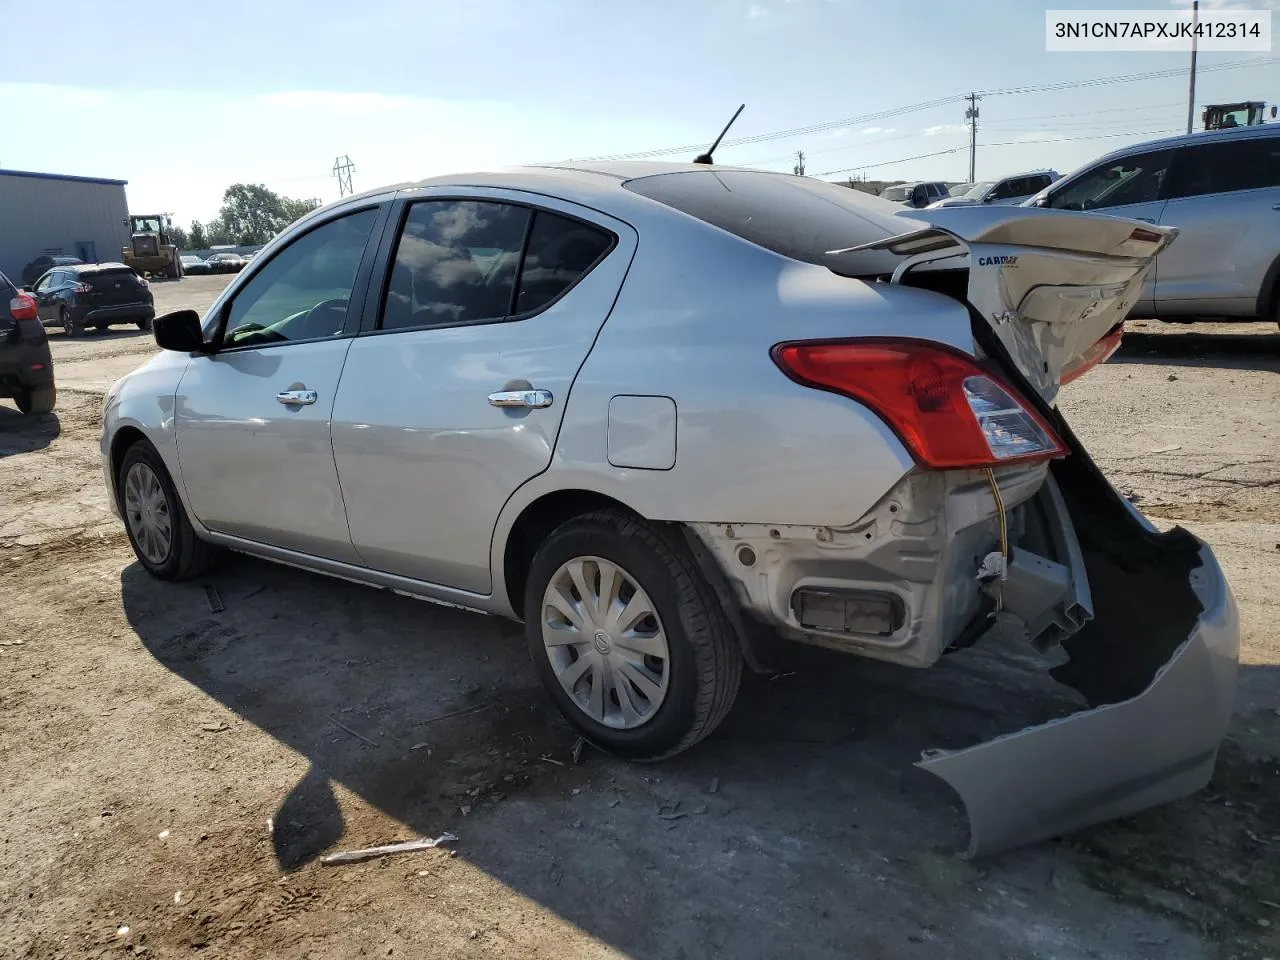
x,y
272,91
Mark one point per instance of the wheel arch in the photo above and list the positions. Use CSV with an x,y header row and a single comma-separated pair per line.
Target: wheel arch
x,y
1268,307
534,523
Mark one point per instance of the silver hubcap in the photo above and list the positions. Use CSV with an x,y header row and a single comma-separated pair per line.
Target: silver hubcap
x,y
605,642
147,512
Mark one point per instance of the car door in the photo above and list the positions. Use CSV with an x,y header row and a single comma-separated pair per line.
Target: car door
x,y
1131,186
253,417
44,292
453,398
1224,199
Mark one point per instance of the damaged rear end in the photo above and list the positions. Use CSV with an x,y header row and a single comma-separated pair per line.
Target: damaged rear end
x,y
1008,521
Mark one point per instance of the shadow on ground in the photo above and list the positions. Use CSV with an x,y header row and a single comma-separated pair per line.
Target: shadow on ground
x,y
1233,351
802,821
23,433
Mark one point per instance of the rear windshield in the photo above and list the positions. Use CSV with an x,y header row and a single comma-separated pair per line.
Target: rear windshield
x,y
797,217
96,278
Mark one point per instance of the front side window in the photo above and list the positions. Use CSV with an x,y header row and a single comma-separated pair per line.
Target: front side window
x,y
1136,179
304,291
45,282
1226,167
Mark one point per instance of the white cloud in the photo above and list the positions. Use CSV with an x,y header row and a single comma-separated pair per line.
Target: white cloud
x,y
941,128
757,12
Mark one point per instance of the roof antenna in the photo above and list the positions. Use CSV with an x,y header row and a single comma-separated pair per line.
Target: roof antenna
x,y
706,157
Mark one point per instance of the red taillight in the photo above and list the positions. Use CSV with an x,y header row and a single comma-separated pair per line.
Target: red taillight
x,y
142,284
82,287
22,307
1099,353
950,412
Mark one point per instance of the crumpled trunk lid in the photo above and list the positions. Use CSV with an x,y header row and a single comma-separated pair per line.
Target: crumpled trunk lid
x,y
1049,283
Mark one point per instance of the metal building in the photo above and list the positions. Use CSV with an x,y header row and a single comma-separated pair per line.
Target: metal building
x,y
49,213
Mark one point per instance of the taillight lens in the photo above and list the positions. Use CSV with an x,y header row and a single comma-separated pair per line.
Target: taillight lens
x,y
950,412
22,307
82,287
142,283
1099,353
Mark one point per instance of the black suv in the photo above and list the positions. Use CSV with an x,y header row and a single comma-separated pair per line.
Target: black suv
x,y
26,368
38,267
93,295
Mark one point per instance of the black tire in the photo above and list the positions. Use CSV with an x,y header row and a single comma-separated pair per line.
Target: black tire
x,y
188,555
71,327
144,323
36,400
705,656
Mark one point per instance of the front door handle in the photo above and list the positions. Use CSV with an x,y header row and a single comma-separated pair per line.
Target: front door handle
x,y
1275,206
1145,219
521,398
297,397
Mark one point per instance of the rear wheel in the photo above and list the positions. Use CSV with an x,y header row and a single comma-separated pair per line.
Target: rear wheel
x,y
628,637
37,399
144,323
162,537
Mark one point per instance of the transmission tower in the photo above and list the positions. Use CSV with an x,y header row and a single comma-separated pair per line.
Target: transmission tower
x,y
342,169
798,169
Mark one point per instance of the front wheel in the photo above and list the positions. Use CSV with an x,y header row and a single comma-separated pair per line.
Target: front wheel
x,y
69,324
628,637
162,537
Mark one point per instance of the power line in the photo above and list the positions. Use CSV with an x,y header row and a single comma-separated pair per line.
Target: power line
x,y
930,104
997,143
342,169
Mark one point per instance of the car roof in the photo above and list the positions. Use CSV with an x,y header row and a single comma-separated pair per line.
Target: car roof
x,y
1192,139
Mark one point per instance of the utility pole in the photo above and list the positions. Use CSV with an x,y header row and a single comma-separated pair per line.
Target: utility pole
x,y
1191,92
971,115
798,169
342,169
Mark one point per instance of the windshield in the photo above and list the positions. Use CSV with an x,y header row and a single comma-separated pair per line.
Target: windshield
x,y
146,224
898,194
975,191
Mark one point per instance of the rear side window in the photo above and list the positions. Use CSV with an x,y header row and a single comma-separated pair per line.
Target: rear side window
x,y
1135,179
456,262
475,261
560,252
797,217
1225,167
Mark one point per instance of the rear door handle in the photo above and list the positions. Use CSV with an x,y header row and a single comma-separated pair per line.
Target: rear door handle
x,y
521,398
1145,219
297,397
1275,206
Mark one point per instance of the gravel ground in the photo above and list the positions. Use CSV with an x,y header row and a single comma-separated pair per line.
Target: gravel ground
x,y
177,772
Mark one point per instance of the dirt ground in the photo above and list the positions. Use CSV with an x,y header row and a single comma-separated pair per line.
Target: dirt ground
x,y
170,774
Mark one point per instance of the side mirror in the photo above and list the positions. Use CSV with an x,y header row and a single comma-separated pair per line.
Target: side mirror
x,y
919,198
26,287
179,331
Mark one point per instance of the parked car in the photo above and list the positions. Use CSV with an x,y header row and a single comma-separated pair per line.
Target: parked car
x,y
670,415
226,262
93,295
194,266
26,366
1220,190
34,270
916,195
1012,189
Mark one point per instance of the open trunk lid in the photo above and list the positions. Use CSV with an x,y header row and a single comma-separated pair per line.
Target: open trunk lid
x,y
1049,283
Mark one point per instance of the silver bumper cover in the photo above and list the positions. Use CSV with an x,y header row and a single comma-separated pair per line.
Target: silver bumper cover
x,y
1113,760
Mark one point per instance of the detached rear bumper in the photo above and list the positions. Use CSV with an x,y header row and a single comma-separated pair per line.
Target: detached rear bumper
x,y
1116,759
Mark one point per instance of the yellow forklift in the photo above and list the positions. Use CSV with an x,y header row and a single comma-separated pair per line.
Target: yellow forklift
x,y
1224,116
151,251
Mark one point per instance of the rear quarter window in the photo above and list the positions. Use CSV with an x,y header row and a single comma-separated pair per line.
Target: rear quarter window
x,y
796,217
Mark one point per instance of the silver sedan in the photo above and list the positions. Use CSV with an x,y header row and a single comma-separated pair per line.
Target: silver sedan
x,y
672,416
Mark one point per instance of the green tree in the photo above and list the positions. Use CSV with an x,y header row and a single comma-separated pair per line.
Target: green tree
x,y
253,214
198,240
179,236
